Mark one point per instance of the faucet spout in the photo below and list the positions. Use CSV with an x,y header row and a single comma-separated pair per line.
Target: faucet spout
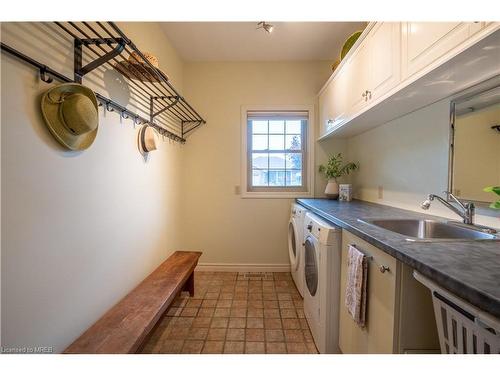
x,y
465,210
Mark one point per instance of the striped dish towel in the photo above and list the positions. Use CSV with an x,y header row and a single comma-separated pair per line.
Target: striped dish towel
x,y
355,293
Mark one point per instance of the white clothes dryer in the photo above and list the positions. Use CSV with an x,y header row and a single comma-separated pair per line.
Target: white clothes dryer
x,y
322,248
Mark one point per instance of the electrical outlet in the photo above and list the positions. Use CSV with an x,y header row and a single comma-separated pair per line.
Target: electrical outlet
x,y
380,192
237,190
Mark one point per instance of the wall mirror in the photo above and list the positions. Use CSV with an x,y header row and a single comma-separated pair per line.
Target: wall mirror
x,y
475,145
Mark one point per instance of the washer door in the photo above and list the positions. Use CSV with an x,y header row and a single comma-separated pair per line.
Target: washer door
x,y
292,245
311,267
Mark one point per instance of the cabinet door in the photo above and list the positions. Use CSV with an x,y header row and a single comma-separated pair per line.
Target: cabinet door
x,y
332,103
326,103
340,89
384,43
380,333
357,74
426,42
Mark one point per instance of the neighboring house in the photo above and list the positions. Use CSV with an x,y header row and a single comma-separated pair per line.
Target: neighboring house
x,y
273,172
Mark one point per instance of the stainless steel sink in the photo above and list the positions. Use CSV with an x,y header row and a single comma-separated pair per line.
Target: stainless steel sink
x,y
433,230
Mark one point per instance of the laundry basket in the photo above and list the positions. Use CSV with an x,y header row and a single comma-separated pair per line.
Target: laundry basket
x,y
462,328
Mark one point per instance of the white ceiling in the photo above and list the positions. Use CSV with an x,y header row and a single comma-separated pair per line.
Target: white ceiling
x,y
240,41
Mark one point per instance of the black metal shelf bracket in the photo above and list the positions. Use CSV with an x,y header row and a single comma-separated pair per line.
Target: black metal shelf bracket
x,y
174,99
80,70
104,44
184,131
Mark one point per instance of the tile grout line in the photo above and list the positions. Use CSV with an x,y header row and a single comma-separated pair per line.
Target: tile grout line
x,y
221,287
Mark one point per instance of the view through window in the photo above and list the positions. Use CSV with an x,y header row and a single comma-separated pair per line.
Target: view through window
x,y
276,151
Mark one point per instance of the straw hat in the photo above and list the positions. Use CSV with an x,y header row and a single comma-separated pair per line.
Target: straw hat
x,y
147,139
71,114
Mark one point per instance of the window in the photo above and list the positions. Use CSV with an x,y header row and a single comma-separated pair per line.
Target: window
x,y
276,158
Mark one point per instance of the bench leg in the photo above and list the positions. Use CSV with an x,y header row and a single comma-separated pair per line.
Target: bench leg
x,y
189,286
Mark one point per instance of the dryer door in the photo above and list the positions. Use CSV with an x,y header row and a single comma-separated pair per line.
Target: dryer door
x,y
311,268
293,250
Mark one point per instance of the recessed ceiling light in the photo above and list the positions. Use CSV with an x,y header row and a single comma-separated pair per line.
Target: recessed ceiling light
x,y
266,26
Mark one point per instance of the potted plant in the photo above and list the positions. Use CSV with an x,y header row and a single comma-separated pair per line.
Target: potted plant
x,y
333,170
496,190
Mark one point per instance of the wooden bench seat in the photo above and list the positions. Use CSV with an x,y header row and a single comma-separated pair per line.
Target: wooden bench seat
x,y
125,326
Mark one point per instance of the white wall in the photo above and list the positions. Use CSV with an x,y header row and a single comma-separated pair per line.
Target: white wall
x,y
408,157
324,149
79,230
229,229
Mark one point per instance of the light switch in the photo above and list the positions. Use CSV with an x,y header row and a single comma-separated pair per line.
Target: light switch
x,y
237,190
380,192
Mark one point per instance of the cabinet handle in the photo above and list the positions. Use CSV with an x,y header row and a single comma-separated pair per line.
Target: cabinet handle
x,y
383,268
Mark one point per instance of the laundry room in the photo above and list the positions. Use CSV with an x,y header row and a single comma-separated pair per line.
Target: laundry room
x,y
302,187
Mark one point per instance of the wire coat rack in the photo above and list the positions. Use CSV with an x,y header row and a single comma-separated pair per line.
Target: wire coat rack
x,y
103,44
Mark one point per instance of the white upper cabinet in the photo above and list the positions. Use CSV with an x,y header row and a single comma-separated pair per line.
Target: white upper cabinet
x,y
326,104
397,67
358,75
384,43
333,101
372,70
426,42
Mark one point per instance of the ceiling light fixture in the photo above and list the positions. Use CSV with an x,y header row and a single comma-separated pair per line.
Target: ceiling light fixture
x,y
266,26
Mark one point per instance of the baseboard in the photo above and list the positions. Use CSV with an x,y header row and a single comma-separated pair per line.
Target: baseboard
x,y
237,267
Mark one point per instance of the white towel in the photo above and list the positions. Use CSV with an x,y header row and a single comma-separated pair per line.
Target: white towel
x,y
355,293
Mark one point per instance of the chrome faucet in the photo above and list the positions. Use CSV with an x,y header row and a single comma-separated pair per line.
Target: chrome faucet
x,y
466,210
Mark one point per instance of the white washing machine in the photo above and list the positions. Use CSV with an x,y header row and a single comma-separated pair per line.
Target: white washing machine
x,y
295,245
322,247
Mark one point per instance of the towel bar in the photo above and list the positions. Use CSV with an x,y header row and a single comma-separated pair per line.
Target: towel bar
x,y
381,267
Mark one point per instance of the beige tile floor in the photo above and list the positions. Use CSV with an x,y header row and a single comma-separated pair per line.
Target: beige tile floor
x,y
235,313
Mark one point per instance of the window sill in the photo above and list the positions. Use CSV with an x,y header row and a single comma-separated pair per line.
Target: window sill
x,y
276,195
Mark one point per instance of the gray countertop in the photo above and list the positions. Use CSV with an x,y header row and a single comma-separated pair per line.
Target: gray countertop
x,y
471,270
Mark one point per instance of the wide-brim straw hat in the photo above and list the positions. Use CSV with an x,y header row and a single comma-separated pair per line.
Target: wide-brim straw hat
x,y
70,111
147,139
137,68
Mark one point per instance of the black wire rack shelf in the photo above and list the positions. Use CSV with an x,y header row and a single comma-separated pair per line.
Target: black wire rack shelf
x,y
103,44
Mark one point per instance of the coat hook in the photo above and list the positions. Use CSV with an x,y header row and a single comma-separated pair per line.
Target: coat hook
x,y
44,76
108,107
99,104
124,115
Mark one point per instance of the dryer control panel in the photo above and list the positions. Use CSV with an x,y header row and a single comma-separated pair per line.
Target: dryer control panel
x,y
325,233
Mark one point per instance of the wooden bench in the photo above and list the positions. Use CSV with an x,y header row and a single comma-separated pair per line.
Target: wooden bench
x,y
125,326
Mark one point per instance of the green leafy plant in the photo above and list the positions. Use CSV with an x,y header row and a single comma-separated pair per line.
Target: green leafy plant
x,y
334,168
496,190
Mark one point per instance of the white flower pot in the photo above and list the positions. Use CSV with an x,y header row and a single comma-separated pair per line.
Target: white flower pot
x,y
332,189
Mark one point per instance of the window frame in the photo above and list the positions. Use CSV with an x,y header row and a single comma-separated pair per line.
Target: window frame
x,y
304,191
